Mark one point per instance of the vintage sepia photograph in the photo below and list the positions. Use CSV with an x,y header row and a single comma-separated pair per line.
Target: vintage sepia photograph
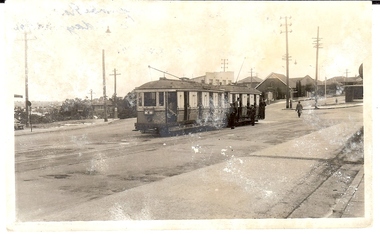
x,y
188,115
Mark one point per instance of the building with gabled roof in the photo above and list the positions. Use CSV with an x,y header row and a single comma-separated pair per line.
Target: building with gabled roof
x,y
304,85
274,86
250,81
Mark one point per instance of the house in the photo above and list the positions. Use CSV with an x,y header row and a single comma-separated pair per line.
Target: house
x,y
304,86
274,86
250,81
98,107
346,80
339,84
351,86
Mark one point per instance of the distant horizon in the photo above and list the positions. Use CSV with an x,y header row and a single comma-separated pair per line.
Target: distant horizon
x,y
101,96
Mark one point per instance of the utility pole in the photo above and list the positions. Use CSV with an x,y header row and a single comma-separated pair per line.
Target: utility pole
x,y
114,95
317,45
251,77
91,92
224,64
345,79
104,83
92,108
104,89
325,89
287,58
26,79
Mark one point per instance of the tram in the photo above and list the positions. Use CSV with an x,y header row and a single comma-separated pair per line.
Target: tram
x,y
180,106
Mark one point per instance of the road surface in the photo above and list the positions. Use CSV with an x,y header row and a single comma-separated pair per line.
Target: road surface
x,y
279,168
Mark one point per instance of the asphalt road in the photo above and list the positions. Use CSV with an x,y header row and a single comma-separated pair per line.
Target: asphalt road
x,y
59,170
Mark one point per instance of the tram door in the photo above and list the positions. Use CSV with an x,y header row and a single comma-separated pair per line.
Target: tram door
x,y
200,106
186,106
171,107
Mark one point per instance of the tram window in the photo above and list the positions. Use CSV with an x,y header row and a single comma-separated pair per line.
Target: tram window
x,y
220,102
161,99
140,99
150,99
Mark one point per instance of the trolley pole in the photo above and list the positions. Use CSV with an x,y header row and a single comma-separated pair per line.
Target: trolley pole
x,y
114,95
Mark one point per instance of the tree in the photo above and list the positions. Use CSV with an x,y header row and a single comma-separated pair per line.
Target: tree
x,y
299,88
76,109
309,88
127,106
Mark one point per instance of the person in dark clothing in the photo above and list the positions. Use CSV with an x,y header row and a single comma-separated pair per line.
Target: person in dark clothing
x,y
262,105
253,114
299,108
237,105
232,115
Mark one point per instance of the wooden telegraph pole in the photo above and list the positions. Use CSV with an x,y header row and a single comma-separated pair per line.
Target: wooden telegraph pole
x,y
26,79
114,95
317,45
224,63
287,58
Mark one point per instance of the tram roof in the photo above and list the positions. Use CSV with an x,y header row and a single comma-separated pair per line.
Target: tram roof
x,y
164,83
184,84
239,89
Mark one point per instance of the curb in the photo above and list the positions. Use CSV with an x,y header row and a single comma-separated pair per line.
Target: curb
x,y
328,107
343,202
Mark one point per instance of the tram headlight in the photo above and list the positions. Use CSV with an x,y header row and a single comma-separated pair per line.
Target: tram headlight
x,y
149,112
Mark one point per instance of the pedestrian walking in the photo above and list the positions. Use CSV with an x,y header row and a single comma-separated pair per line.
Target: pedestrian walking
x,y
262,105
299,109
232,114
237,105
253,114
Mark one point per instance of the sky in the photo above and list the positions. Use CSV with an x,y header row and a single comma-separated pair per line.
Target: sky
x,y
187,39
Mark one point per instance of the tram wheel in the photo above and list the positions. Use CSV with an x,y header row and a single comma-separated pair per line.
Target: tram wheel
x,y
163,131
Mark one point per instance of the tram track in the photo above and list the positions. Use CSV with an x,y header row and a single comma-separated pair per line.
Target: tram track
x,y
320,184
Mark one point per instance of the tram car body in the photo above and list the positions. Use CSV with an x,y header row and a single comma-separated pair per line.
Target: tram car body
x,y
168,106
